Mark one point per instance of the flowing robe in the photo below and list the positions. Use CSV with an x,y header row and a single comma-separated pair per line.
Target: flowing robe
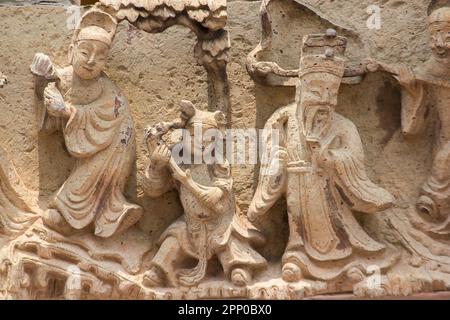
x,y
321,198
203,232
432,91
18,205
100,135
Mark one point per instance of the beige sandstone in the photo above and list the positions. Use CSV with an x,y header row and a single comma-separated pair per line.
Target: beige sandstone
x,y
151,70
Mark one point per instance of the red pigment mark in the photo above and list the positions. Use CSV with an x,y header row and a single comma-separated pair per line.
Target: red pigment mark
x,y
132,32
127,137
117,105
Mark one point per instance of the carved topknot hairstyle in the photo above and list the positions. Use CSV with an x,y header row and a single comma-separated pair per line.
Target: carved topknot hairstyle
x,y
96,25
192,115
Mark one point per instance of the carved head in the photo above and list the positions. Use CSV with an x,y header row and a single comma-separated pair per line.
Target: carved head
x,y
204,127
320,79
91,43
439,30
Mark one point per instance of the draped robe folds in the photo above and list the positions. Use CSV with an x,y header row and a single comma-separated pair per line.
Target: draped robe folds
x,y
204,232
432,89
101,137
320,200
18,205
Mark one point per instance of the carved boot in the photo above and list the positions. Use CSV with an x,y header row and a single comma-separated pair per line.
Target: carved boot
x,y
55,221
427,206
291,272
153,278
241,277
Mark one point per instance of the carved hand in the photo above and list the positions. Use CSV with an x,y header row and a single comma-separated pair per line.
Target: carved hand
x,y
153,134
402,73
327,158
54,101
211,196
42,66
406,77
371,65
161,156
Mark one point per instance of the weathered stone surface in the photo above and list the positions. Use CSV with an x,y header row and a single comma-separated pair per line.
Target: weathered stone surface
x,y
156,71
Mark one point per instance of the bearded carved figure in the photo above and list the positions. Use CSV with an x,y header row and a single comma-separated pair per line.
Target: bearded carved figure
x,y
98,130
318,166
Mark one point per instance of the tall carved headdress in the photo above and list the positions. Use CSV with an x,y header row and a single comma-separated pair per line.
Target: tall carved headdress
x,y
96,25
323,53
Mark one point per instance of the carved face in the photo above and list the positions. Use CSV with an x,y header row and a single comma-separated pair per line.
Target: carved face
x,y
440,40
318,94
89,58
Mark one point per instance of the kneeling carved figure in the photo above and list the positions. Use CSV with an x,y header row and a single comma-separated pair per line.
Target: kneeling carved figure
x,y
211,225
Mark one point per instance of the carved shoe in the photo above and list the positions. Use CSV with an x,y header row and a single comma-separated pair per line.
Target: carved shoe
x,y
291,273
55,221
427,206
153,278
240,277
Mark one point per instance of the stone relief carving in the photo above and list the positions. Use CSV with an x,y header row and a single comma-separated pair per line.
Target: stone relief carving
x,y
211,224
87,243
319,167
424,91
98,131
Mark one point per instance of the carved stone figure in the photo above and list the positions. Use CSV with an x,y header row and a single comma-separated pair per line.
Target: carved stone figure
x,y
425,88
211,224
95,119
319,167
425,91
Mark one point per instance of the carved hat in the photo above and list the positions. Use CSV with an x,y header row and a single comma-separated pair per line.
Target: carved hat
x,y
441,15
323,53
96,25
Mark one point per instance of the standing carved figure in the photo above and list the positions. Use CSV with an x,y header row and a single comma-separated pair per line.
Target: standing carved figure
x,y
319,167
211,224
424,88
98,130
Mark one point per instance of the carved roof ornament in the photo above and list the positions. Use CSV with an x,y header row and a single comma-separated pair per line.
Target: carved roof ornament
x,y
153,15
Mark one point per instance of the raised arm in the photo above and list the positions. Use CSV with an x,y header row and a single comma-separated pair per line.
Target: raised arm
x,y
158,180
413,94
54,102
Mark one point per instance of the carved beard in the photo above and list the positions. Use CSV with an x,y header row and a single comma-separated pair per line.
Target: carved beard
x,y
315,128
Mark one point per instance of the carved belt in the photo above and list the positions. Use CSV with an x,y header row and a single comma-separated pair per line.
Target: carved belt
x,y
300,167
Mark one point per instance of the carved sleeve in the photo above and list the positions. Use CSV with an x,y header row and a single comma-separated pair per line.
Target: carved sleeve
x,y
157,181
413,109
54,102
350,175
273,174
